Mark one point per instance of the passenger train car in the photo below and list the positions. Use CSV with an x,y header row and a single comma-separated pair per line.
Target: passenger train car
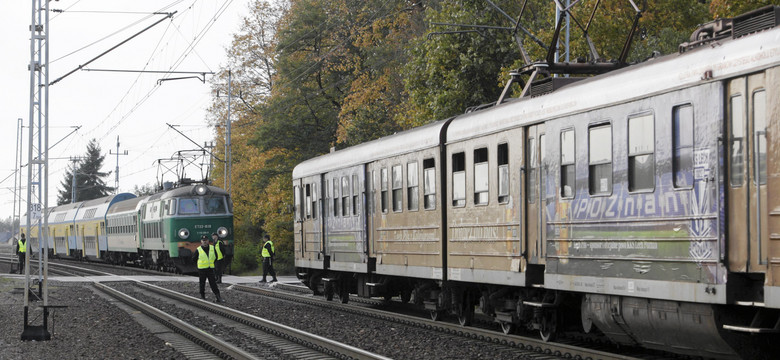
x,y
161,231
638,203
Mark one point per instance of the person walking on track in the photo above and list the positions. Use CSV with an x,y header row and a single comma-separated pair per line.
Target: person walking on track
x,y
268,258
205,257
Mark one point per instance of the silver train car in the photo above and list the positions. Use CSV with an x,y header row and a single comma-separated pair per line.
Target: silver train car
x,y
638,204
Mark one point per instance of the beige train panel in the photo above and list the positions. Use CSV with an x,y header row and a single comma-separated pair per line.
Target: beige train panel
x,y
487,240
406,242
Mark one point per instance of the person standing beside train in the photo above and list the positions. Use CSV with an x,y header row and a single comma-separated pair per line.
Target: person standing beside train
x,y
205,257
21,250
221,248
268,254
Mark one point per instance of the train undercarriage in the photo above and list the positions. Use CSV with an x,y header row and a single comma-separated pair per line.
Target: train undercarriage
x,y
688,328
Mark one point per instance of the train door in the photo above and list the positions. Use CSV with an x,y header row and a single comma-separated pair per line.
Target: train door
x,y
534,194
747,174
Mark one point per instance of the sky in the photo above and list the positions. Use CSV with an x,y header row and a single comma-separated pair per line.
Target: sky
x,y
109,104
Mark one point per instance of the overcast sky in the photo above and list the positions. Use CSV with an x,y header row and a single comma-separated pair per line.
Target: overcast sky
x,y
109,104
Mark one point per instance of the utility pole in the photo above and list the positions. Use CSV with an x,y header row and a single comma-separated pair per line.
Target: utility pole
x,y
73,188
17,181
208,146
37,169
228,149
117,153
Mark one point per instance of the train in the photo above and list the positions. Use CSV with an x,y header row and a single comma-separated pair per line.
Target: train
x,y
160,231
637,204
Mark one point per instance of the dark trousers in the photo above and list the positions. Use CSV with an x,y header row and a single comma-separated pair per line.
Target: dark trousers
x,y
204,274
268,268
219,269
21,263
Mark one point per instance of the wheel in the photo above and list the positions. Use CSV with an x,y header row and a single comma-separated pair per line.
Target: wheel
x,y
549,328
328,291
465,313
406,295
436,315
507,327
388,297
344,296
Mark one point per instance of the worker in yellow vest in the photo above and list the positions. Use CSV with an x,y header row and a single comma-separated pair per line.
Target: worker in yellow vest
x,y
220,247
205,257
21,250
268,254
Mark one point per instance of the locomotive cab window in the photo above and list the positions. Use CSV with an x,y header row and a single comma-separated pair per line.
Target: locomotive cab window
x,y
641,147
412,187
383,186
459,179
214,205
567,164
503,173
481,176
682,146
398,183
600,159
188,206
429,184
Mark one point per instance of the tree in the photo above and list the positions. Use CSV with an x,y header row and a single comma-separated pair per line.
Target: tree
x,y
89,179
144,190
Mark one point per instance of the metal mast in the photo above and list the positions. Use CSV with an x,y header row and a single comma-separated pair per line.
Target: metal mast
x,y
37,169
228,148
116,172
17,181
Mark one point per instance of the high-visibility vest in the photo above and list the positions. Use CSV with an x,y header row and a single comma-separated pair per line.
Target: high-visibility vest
x,y
218,246
265,250
22,246
206,261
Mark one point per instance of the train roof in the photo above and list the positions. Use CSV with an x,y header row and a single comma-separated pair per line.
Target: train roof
x,y
698,66
188,190
98,208
416,139
129,205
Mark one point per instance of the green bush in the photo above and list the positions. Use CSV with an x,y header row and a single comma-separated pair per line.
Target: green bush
x,y
244,259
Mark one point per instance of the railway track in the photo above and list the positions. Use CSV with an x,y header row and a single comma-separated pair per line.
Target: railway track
x,y
245,329
524,347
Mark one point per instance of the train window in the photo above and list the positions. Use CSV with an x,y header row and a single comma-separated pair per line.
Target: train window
x,y
307,200
371,193
600,159
314,200
737,138
336,197
297,202
568,178
188,206
641,147
398,184
344,195
412,187
383,184
355,194
759,122
172,207
214,205
533,164
682,146
459,179
481,176
503,173
429,184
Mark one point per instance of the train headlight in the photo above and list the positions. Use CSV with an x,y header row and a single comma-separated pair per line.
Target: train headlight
x,y
222,232
201,190
184,233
